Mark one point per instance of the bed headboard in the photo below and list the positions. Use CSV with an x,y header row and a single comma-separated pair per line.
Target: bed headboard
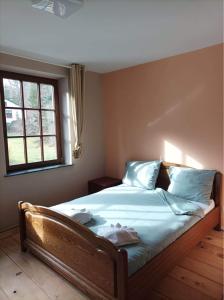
x,y
163,180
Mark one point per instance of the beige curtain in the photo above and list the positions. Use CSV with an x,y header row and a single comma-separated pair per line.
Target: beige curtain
x,y
77,89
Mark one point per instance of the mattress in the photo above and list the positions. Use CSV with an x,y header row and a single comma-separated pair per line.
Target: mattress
x,y
141,209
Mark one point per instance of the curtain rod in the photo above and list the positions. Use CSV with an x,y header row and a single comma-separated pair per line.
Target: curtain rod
x,y
37,60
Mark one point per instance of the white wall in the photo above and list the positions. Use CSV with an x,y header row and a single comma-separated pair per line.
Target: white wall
x,y
58,185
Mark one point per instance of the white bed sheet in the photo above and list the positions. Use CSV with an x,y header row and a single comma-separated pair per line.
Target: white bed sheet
x,y
206,207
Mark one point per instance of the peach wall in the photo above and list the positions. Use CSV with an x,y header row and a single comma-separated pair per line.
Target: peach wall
x,y
170,109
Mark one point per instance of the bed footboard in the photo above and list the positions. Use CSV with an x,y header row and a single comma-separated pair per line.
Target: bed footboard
x,y
88,261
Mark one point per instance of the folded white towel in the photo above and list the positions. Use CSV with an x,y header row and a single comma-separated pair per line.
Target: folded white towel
x,y
81,216
119,235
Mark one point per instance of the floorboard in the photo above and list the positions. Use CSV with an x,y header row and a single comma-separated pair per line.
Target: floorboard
x,y
211,239
199,276
3,296
203,269
45,278
208,253
197,282
177,290
15,283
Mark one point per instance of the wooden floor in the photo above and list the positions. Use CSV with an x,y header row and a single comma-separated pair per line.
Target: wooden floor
x,y
198,277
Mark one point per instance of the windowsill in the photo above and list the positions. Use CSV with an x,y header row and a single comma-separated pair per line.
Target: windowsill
x,y
15,173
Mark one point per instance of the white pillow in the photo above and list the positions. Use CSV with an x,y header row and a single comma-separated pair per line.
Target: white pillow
x,y
142,174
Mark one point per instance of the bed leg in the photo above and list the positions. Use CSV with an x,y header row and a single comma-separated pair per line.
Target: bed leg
x,y
22,227
218,227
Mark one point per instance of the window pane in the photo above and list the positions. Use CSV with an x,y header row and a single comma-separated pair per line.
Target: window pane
x,y
50,148
47,96
12,93
32,118
48,122
33,149
30,92
16,151
14,122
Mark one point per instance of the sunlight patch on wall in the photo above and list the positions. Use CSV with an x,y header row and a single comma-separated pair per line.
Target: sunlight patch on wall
x,y
66,124
191,162
174,155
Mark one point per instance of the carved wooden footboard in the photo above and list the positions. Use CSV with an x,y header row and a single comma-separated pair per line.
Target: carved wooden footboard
x,y
90,262
94,264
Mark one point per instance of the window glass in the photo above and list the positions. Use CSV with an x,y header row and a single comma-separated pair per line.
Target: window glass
x,y
32,118
48,122
30,92
50,148
47,96
16,151
12,93
30,122
14,122
33,149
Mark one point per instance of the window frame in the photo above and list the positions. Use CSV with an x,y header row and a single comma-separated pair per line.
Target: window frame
x,y
38,80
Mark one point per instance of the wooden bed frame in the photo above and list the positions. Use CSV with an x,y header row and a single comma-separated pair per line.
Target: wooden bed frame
x,y
92,263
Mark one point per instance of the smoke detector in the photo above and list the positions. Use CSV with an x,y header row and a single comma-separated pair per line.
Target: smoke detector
x,y
60,8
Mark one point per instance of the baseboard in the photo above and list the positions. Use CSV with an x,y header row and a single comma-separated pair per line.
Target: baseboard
x,y
9,231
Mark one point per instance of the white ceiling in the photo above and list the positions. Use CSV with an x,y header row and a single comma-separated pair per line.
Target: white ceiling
x,y
107,35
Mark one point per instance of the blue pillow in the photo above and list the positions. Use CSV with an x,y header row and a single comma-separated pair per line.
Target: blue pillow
x,y
191,184
142,174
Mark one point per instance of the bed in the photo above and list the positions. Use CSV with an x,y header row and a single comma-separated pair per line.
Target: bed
x,y
97,267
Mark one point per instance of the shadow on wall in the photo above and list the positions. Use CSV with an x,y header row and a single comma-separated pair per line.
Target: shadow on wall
x,y
175,155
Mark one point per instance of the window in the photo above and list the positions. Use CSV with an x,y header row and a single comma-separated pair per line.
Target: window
x,y
8,115
30,121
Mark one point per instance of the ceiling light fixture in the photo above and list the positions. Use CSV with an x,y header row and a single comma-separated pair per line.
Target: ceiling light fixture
x,y
60,8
